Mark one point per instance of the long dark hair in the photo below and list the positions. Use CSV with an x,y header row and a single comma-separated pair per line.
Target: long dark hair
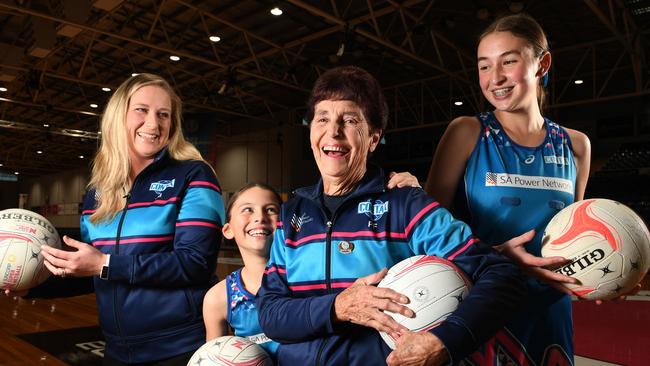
x,y
525,27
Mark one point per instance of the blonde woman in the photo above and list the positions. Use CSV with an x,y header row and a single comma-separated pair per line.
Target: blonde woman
x,y
150,229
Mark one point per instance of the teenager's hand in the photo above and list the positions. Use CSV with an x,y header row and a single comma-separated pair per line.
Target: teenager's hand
x,y
536,266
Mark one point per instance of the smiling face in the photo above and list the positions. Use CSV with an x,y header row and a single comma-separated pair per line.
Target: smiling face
x,y
253,217
340,141
148,122
509,72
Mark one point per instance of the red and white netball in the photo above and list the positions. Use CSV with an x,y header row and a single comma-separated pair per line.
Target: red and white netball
x,y
22,232
230,351
434,286
608,245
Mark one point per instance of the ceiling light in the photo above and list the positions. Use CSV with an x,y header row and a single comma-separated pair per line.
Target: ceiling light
x,y
134,74
174,58
222,89
276,11
16,173
46,125
1,164
93,105
215,38
106,89
39,151
578,81
458,102
3,89
81,156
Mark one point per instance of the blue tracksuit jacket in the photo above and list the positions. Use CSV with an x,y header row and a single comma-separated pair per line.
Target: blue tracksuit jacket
x,y
313,258
163,248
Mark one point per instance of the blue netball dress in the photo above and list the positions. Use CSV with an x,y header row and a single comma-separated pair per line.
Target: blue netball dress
x,y
242,314
510,189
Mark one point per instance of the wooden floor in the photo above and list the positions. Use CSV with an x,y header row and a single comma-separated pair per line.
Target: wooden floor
x,y
18,316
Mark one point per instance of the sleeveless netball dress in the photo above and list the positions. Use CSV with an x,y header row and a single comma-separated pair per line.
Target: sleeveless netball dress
x,y
510,189
242,314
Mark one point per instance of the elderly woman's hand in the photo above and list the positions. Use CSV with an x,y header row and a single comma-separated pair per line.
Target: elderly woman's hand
x,y
85,261
402,179
364,304
422,348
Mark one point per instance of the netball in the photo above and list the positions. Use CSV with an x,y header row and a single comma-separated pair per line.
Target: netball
x,y
608,245
230,351
434,286
22,232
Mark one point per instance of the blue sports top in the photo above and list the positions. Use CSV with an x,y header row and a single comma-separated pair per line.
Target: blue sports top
x,y
511,189
242,314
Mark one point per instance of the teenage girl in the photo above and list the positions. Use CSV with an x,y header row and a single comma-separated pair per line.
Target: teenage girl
x,y
517,171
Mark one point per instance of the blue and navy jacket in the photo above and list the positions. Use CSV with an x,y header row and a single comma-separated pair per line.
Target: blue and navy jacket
x,y
313,258
163,248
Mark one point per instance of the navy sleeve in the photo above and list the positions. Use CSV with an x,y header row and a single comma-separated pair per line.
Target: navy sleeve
x,y
499,287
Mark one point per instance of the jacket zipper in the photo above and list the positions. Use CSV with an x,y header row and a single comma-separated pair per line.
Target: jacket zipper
x,y
328,279
117,252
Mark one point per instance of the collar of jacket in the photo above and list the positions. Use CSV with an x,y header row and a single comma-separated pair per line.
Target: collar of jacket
x,y
160,158
372,182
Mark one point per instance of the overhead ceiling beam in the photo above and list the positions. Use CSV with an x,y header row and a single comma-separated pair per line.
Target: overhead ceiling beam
x,y
628,41
167,50
316,11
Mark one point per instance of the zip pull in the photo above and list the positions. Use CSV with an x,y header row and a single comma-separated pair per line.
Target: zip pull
x,y
329,224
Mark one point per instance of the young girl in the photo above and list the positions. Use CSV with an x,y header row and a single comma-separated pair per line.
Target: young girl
x,y
520,171
250,220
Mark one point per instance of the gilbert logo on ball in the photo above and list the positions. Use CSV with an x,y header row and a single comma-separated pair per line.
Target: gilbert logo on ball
x,y
434,286
22,233
230,351
607,243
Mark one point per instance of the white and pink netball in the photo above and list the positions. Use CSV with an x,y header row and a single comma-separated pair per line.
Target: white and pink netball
x,y
22,233
230,351
607,243
434,286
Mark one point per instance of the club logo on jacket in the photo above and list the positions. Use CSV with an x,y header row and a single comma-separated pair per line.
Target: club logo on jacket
x,y
373,210
297,222
161,186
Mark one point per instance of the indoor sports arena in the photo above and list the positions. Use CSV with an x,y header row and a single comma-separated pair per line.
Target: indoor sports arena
x,y
342,182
